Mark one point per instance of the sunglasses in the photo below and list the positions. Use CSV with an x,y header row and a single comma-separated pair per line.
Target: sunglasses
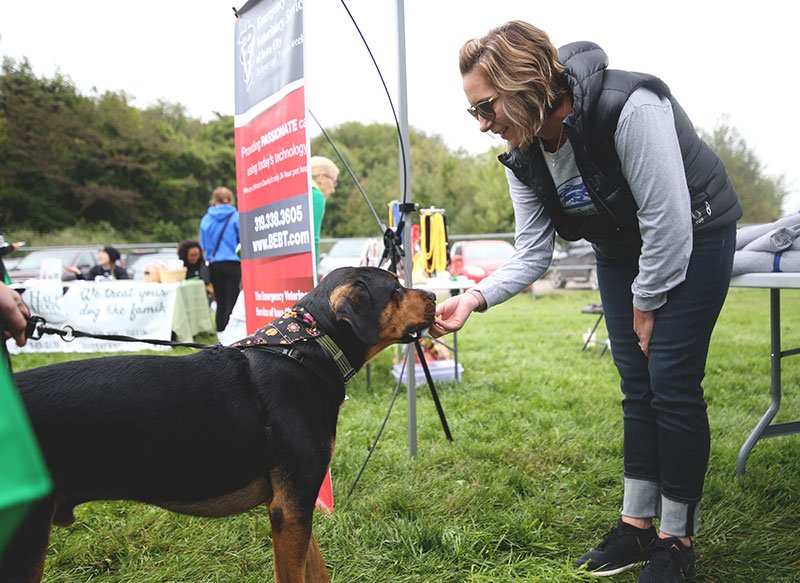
x,y
484,108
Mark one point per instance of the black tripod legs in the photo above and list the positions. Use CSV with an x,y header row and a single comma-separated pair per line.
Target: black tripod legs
x,y
434,394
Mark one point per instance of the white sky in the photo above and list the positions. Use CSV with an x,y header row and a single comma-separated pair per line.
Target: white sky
x,y
730,58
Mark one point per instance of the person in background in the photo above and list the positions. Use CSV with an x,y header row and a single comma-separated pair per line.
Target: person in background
x,y
611,157
219,237
191,254
107,267
324,179
7,249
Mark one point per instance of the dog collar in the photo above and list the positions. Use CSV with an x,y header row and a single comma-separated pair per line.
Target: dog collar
x,y
297,325
345,368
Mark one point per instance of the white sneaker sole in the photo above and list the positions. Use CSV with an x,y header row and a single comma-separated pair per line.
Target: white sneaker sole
x,y
603,572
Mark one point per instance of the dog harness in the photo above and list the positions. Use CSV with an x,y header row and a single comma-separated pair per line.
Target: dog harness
x,y
293,326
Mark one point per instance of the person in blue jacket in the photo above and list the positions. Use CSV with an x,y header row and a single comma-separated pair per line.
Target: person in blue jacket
x,y
219,238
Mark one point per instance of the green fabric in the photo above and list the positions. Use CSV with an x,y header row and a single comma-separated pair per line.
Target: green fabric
x,y
319,210
24,476
10,519
191,315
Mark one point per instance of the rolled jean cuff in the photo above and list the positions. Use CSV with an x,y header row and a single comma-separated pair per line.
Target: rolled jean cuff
x,y
679,518
642,498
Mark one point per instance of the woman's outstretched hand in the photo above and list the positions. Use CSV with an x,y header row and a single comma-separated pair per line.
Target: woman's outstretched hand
x,y
452,314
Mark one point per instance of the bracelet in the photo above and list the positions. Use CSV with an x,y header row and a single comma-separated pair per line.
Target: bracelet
x,y
481,300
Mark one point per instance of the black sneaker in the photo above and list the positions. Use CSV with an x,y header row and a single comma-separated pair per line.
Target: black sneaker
x,y
623,548
671,562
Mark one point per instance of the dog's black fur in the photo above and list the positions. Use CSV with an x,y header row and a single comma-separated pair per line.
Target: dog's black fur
x,y
215,433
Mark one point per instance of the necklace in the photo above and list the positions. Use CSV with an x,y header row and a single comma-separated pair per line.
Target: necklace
x,y
555,156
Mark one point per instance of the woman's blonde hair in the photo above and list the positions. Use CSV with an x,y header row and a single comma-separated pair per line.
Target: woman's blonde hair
x,y
221,195
322,165
522,64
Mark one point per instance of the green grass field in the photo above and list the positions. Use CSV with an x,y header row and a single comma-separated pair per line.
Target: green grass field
x,y
531,480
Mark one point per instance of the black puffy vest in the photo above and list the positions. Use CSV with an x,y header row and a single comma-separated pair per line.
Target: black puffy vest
x,y
599,94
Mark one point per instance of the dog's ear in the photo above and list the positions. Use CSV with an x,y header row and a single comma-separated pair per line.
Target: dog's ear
x,y
352,303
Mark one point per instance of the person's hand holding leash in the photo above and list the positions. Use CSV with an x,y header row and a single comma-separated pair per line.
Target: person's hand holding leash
x,y
643,326
452,314
13,314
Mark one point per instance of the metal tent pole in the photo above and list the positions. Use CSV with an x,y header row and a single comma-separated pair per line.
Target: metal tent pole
x,y
405,172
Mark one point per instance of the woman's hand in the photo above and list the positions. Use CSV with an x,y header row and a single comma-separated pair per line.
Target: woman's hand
x,y
452,314
73,269
643,326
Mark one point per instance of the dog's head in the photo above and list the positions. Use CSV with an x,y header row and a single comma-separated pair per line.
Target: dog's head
x,y
366,309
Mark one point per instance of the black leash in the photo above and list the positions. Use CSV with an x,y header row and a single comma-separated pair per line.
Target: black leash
x,y
382,427
37,327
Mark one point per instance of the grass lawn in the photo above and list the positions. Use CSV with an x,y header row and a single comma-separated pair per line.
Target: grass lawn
x,y
531,480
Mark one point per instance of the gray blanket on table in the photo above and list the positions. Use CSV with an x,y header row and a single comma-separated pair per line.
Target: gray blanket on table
x,y
750,233
763,262
772,247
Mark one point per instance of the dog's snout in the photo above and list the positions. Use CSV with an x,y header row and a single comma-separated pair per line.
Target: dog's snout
x,y
431,296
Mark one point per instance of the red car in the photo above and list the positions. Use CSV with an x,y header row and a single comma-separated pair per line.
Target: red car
x,y
477,259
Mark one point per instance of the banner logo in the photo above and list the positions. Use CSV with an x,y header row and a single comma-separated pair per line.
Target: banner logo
x,y
247,53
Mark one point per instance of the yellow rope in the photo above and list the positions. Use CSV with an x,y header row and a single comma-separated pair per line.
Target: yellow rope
x,y
433,242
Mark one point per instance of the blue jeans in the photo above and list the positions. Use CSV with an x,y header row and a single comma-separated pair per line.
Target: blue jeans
x,y
667,438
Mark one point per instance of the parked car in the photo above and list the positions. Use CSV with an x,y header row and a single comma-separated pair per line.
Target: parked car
x,y
11,262
574,263
137,264
350,252
133,254
479,258
84,258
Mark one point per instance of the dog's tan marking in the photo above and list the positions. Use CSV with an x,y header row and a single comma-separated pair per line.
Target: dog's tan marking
x,y
340,294
253,494
414,310
297,558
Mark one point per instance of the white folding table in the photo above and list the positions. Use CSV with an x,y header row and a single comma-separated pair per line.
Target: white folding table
x,y
775,282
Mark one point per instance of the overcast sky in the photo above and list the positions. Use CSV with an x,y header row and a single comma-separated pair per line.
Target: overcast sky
x,y
723,60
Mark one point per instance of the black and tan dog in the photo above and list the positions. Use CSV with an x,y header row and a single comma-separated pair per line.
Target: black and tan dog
x,y
218,432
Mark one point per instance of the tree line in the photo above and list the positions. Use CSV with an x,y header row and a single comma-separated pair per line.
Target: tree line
x,y
76,162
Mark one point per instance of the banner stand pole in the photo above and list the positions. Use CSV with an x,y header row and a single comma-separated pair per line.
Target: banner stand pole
x,y
405,172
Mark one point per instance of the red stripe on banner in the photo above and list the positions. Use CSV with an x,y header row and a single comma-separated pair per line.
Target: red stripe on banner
x,y
273,284
272,166
271,157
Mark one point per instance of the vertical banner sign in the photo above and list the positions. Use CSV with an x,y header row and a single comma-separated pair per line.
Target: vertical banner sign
x,y
272,181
